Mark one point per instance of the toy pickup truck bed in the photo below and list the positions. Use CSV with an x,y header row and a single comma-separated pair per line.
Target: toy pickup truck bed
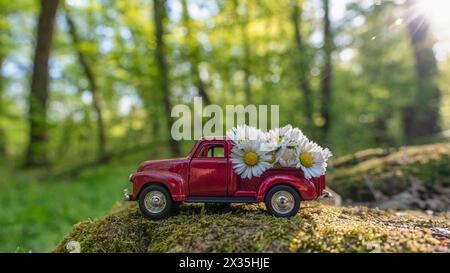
x,y
207,176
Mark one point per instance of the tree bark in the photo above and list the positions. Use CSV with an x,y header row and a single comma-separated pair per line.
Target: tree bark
x,y
36,154
302,65
2,128
247,63
194,55
159,13
380,128
327,70
242,22
95,91
421,119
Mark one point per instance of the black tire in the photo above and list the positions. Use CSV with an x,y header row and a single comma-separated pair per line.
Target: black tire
x,y
292,208
167,208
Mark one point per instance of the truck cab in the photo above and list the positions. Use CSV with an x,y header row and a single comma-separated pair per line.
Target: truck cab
x,y
206,175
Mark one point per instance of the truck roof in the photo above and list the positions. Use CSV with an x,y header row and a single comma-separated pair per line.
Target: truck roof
x,y
214,138
211,138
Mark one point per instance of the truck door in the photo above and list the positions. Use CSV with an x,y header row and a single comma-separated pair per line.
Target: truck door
x,y
209,170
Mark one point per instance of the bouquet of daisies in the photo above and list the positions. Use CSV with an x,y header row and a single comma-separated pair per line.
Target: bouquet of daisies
x,y
256,151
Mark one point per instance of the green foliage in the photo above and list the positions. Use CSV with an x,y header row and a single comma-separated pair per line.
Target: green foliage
x,y
370,88
248,228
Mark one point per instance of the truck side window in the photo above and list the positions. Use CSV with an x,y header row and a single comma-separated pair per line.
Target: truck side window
x,y
216,150
202,151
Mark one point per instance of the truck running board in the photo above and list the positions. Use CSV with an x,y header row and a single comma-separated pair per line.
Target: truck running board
x,y
202,199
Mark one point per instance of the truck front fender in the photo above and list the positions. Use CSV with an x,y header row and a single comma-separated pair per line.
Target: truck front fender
x,y
174,182
305,188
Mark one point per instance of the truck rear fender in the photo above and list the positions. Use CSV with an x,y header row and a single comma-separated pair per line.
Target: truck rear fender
x,y
304,187
174,182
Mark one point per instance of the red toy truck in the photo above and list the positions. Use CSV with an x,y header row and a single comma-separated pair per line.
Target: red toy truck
x,y
207,176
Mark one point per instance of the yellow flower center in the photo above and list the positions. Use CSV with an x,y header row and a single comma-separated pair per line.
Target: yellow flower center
x,y
251,158
306,160
277,138
272,160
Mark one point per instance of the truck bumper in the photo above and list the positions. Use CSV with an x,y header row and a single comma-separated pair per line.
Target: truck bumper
x,y
326,194
128,196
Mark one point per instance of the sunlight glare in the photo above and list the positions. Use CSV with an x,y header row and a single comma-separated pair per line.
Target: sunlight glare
x,y
437,12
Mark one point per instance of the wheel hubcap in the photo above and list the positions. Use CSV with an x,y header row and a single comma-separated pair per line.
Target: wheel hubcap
x,y
283,202
155,201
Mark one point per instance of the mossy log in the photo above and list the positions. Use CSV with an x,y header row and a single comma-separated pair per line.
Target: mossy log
x,y
420,172
248,228
358,157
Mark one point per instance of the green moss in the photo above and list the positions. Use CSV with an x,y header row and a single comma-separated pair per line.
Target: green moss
x,y
393,173
317,228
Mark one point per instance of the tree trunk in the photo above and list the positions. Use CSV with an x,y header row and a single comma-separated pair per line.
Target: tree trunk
x,y
247,63
2,128
194,55
159,16
327,70
380,128
36,154
96,94
421,119
242,22
302,65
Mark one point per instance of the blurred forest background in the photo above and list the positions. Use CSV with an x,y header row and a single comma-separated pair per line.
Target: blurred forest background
x,y
86,88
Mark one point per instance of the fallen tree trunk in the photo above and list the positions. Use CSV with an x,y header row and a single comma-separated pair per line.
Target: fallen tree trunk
x,y
408,178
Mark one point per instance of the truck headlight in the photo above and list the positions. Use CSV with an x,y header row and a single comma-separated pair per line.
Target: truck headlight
x,y
126,195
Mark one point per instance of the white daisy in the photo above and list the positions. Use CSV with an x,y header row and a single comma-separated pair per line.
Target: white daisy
x,y
270,147
254,151
312,159
273,160
268,142
292,138
284,130
286,157
278,134
243,133
286,146
249,161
